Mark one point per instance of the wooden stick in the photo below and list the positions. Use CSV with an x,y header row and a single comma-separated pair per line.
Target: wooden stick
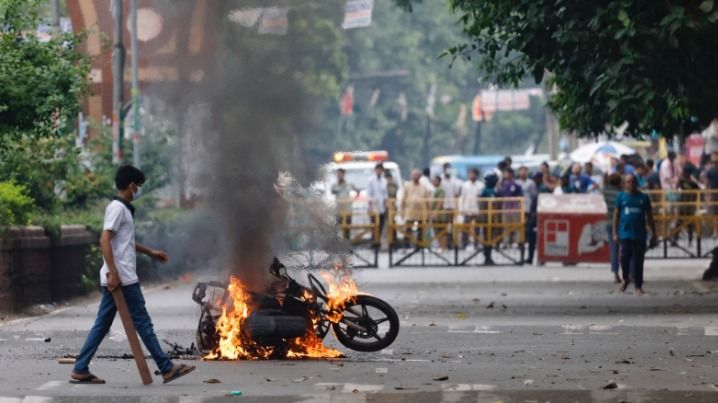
x,y
129,326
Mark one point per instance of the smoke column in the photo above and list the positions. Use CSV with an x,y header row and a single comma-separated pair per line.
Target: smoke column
x,y
262,94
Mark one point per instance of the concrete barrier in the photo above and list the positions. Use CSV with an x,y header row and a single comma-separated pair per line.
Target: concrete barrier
x,y
36,269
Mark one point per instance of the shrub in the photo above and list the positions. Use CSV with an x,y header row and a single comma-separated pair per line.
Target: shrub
x,y
15,205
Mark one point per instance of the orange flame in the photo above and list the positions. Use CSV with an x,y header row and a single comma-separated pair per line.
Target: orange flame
x,y
342,292
235,345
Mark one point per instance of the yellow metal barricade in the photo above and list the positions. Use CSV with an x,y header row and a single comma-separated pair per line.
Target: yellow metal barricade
x,y
359,226
497,220
421,222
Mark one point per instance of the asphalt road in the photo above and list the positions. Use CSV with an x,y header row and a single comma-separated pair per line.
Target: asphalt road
x,y
502,334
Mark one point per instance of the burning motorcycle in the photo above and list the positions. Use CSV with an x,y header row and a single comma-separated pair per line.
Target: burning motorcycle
x,y
239,324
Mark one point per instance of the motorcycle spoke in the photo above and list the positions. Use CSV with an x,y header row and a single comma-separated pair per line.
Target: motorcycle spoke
x,y
364,311
382,320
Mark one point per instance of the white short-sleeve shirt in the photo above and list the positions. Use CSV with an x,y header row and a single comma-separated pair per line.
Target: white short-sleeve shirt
x,y
118,219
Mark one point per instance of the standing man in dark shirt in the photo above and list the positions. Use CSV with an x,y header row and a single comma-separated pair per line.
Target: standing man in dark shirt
x,y
653,180
633,210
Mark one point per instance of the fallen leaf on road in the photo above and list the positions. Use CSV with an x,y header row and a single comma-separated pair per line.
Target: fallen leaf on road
x,y
624,362
611,385
270,379
212,380
490,305
441,378
48,339
432,324
302,379
355,391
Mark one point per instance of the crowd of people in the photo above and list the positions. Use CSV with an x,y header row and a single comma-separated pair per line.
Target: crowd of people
x,y
444,200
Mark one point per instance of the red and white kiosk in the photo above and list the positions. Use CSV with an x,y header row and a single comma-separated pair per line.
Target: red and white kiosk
x,y
572,228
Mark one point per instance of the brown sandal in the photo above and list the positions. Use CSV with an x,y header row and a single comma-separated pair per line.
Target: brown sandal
x,y
178,371
89,379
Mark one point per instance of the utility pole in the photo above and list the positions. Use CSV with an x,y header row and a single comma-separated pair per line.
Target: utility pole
x,y
477,138
118,71
135,86
56,15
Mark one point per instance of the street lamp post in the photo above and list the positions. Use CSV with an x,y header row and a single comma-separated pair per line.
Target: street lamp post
x,y
135,86
118,69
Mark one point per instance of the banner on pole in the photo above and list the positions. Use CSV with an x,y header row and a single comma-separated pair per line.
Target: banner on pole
x,y
357,14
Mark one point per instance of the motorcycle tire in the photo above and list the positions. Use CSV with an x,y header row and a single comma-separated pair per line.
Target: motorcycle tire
x,y
348,336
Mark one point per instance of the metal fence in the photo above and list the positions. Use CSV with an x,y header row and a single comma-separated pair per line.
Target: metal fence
x,y
455,232
686,223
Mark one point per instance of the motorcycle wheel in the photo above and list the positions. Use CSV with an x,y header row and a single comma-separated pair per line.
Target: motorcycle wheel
x,y
376,316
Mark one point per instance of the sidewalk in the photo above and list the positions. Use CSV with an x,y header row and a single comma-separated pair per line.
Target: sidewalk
x,y
655,270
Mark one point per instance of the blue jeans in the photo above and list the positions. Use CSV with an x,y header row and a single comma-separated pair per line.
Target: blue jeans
x,y
105,317
613,249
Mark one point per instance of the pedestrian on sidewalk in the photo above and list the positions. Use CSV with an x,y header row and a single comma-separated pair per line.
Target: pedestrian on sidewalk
x,y
633,210
119,274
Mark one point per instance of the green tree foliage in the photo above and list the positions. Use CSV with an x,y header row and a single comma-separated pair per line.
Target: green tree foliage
x,y
401,53
650,64
41,82
15,204
410,45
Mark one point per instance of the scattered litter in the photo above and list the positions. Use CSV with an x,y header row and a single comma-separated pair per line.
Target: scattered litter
x,y
234,393
212,380
65,360
624,362
432,324
441,378
671,353
404,388
611,385
355,391
48,339
490,305
504,307
270,379
302,379
694,355
528,382
655,369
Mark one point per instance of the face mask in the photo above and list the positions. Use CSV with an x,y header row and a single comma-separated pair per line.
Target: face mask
x,y
137,194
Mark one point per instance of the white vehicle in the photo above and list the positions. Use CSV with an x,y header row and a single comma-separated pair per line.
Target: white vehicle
x,y
359,167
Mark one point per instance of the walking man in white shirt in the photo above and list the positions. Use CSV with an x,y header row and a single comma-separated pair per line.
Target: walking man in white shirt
x,y
119,274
